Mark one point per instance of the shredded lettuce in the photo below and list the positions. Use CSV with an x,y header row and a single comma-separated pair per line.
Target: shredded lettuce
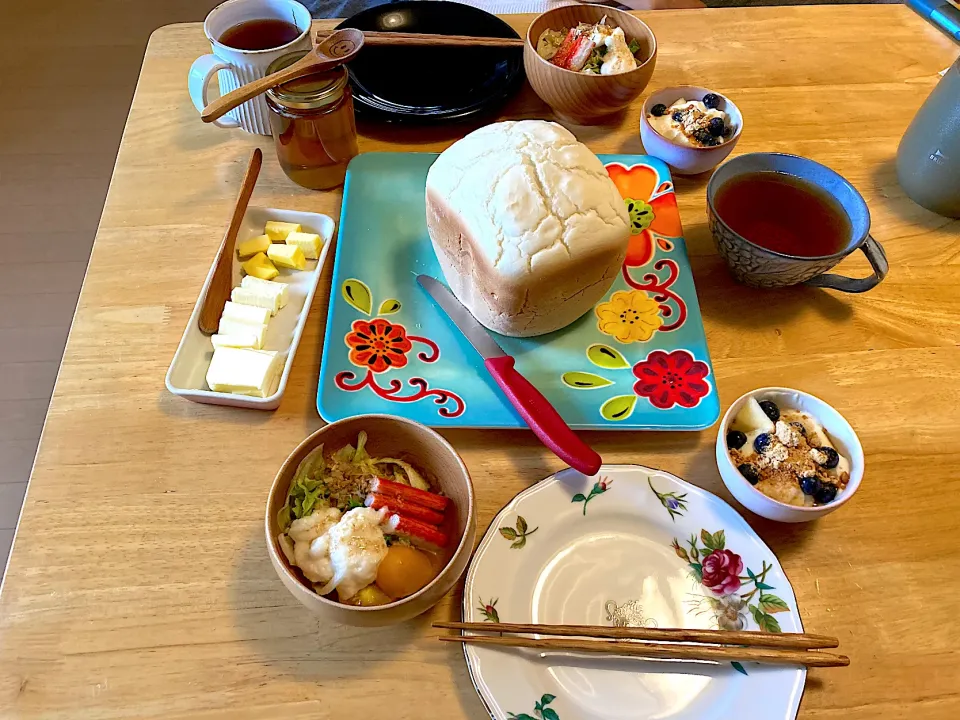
x,y
593,64
634,47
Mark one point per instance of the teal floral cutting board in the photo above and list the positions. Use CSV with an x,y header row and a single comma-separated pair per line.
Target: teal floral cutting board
x,y
639,361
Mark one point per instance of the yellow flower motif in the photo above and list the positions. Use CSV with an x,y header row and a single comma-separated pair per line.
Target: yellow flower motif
x,y
629,316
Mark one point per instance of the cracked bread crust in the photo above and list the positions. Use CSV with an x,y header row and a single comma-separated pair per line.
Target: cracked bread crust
x,y
528,227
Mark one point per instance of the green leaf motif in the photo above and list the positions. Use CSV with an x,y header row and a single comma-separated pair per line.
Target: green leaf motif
x,y
521,716
719,539
606,357
767,623
550,714
521,525
763,586
358,294
697,569
772,604
738,667
509,533
584,380
618,408
547,699
389,307
519,543
579,497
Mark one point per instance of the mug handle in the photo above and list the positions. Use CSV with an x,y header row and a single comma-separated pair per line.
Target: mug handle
x,y
198,82
878,261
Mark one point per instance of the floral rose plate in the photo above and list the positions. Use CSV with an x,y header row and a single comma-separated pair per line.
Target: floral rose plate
x,y
631,546
639,360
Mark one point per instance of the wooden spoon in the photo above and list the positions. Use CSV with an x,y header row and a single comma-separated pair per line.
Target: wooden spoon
x,y
222,283
336,49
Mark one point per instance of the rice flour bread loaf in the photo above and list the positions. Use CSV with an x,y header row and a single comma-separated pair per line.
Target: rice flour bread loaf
x,y
528,227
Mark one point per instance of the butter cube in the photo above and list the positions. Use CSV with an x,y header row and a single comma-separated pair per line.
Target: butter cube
x,y
289,256
243,371
309,243
259,266
249,248
245,313
246,340
256,298
277,288
233,327
277,231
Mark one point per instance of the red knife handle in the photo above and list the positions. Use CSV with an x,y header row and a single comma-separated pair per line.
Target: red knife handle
x,y
542,418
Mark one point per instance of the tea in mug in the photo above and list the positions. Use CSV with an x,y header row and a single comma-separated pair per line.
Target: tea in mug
x,y
262,34
784,214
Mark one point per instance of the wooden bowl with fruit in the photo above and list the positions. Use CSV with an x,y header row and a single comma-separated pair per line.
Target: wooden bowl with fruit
x,y
371,520
588,61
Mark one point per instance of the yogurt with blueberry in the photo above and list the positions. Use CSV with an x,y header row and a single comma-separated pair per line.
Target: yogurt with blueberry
x,y
786,454
696,123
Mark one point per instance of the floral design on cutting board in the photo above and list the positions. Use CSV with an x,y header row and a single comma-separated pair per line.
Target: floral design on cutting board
x,y
648,306
599,487
663,379
728,595
675,504
518,535
540,708
380,345
489,610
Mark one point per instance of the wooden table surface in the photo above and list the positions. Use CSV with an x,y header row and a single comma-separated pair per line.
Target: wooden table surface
x,y
139,585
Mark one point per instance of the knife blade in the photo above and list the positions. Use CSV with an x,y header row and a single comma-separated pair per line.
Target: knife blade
x,y
533,407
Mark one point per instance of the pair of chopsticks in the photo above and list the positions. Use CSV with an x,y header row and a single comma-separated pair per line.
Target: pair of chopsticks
x,y
675,644
426,40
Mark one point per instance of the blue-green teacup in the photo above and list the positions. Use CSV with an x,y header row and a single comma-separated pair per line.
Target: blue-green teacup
x,y
759,266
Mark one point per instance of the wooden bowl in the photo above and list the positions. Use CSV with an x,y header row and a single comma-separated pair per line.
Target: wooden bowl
x,y
387,436
585,99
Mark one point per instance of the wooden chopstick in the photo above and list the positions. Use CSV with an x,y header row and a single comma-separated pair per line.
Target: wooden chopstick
x,y
797,641
426,40
668,651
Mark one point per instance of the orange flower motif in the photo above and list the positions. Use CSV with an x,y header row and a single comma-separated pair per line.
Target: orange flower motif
x,y
378,345
653,217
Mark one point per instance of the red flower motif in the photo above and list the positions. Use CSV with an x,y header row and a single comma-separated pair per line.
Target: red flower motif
x,y
674,379
653,217
378,345
721,572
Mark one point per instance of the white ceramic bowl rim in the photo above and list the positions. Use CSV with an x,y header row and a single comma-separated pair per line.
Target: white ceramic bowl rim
x,y
856,472
612,11
645,111
460,545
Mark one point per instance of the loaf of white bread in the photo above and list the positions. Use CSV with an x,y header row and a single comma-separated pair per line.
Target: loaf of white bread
x,y
528,227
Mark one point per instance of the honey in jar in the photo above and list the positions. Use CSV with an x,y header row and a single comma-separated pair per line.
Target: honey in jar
x,y
314,130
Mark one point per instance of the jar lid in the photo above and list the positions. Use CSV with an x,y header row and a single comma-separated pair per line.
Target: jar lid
x,y
309,92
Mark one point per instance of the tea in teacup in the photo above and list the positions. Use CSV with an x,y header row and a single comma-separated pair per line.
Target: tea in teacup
x,y
784,213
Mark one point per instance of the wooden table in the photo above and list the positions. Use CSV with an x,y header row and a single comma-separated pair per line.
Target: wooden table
x,y
139,586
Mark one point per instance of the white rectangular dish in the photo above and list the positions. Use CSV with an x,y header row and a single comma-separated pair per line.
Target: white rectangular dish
x,y
187,374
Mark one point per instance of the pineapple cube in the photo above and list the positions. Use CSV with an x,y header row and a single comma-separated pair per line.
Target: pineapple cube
x,y
277,231
309,243
249,248
260,267
289,256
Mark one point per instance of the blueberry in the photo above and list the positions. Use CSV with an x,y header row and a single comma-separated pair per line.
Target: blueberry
x,y
677,116
825,494
762,442
658,110
832,458
736,439
711,100
770,409
750,472
717,127
800,428
810,485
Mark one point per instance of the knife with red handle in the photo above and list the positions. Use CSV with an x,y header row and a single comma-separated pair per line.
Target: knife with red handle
x,y
533,407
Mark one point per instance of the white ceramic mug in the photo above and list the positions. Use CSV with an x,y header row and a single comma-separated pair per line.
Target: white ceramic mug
x,y
238,67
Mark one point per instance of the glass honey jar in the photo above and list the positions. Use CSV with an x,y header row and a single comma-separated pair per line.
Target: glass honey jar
x,y
314,130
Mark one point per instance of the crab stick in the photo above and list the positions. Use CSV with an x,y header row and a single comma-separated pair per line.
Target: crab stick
x,y
412,495
398,505
415,530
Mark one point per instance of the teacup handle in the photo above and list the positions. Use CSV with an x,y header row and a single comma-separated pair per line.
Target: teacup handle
x,y
878,261
198,82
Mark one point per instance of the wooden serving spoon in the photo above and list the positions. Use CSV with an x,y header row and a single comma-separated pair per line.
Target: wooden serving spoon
x,y
222,283
336,49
